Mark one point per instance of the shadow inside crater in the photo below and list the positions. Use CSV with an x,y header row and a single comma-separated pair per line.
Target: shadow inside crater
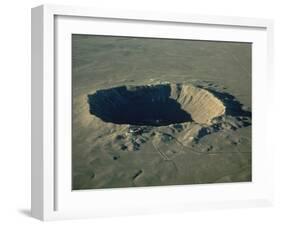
x,y
232,106
137,105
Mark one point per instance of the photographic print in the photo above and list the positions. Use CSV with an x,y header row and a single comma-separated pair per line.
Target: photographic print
x,y
156,112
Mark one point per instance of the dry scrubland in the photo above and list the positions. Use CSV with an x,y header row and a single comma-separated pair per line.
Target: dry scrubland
x,y
149,112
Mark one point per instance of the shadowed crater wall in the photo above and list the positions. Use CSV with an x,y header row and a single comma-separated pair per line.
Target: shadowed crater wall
x,y
137,105
233,106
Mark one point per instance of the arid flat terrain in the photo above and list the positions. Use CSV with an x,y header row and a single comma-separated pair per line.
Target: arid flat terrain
x,y
151,112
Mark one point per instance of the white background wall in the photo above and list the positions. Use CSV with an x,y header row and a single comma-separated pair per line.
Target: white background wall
x,y
15,112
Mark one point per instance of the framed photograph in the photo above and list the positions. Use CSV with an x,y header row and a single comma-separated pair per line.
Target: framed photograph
x,y
143,112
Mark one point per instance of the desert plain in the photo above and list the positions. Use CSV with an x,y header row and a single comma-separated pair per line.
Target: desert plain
x,y
154,112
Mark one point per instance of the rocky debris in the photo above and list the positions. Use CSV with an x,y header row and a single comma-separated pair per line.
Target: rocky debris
x,y
139,130
178,127
123,147
115,157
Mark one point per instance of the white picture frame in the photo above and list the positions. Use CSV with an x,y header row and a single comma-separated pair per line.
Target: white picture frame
x,y
51,196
